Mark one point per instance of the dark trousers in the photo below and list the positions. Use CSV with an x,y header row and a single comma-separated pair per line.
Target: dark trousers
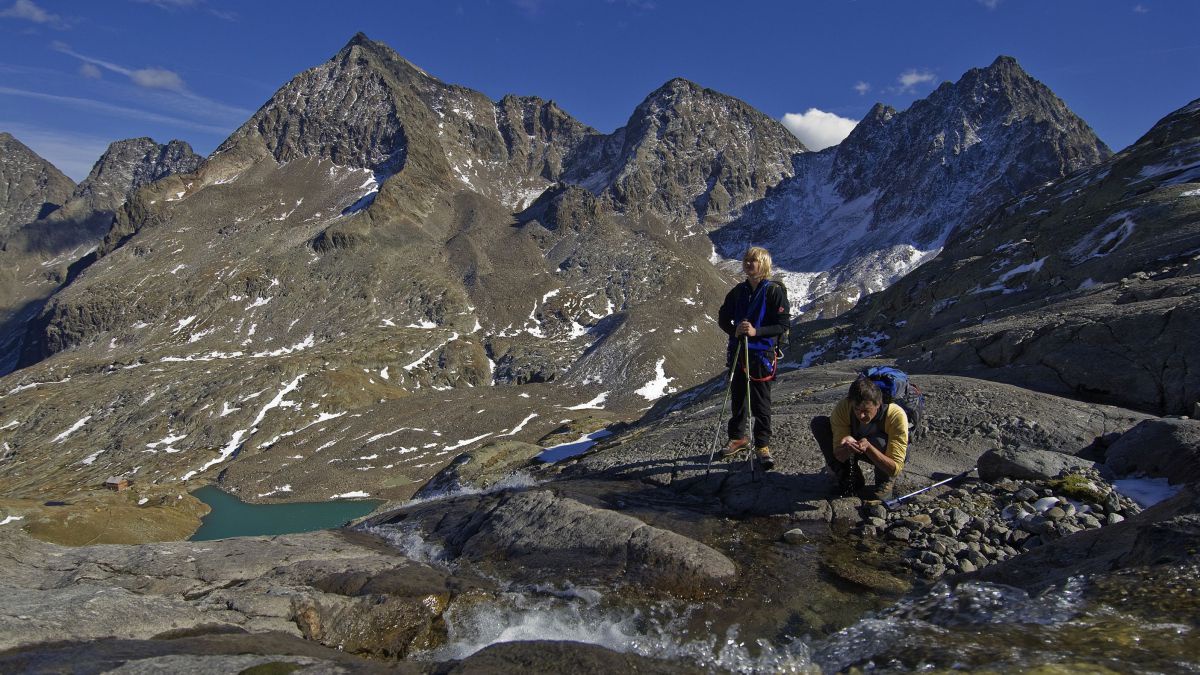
x,y
760,405
849,473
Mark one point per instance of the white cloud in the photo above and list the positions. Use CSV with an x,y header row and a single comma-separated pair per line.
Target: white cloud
x,y
158,78
174,5
818,129
910,78
529,7
176,95
90,71
28,10
150,78
1141,9
862,88
990,4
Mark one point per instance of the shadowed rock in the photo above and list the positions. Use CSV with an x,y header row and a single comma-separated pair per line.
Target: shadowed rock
x,y
1027,464
1159,447
527,535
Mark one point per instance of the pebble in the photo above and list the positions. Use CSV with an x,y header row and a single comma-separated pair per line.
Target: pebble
x,y
917,522
1045,504
976,525
795,536
1025,494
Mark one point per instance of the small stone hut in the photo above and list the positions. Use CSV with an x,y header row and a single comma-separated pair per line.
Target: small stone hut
x,y
117,483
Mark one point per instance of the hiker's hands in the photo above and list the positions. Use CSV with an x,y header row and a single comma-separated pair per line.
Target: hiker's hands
x,y
746,328
846,449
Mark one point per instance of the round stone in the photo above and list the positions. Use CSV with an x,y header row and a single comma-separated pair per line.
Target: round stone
x,y
1026,495
1044,504
795,536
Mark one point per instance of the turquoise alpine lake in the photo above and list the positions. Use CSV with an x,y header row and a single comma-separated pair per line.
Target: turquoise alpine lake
x,y
231,517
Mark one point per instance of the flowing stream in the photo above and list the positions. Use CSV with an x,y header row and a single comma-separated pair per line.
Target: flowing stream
x,y
797,617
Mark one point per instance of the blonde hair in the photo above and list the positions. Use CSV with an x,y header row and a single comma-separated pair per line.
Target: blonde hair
x,y
763,256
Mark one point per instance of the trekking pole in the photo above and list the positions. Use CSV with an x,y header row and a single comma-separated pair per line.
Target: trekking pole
x,y
749,412
891,503
724,399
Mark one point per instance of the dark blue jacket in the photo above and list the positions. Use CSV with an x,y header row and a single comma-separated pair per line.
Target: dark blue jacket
x,y
766,308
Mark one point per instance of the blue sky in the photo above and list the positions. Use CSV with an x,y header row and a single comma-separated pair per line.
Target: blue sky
x,y
75,76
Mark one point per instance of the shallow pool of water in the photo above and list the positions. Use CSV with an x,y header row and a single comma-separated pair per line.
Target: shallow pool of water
x,y
231,517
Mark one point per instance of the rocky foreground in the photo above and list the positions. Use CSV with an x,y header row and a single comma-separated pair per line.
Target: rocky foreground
x,y
642,530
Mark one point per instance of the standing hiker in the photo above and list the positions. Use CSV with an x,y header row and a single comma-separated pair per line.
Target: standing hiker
x,y
754,315
863,429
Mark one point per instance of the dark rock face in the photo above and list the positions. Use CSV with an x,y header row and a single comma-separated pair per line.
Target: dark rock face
x,y
298,121
45,254
859,215
213,650
130,164
689,154
541,139
30,187
1161,447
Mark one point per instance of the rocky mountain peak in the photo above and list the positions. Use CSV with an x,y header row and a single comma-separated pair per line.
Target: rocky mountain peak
x,y
349,110
691,155
129,164
362,47
30,187
861,214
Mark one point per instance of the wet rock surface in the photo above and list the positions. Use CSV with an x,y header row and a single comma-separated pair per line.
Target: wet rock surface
x,y
526,535
544,656
341,590
211,650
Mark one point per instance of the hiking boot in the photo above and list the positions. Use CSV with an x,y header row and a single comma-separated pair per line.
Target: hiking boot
x,y
735,446
878,491
764,458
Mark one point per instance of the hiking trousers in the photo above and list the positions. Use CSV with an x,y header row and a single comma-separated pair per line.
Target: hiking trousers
x,y
760,405
849,474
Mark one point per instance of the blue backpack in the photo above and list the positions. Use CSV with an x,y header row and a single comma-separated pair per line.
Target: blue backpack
x,y
899,390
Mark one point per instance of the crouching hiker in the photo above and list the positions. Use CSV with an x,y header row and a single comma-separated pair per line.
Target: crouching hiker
x,y
754,315
863,429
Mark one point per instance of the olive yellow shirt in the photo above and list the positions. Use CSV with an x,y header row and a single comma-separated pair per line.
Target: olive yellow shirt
x,y
895,427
